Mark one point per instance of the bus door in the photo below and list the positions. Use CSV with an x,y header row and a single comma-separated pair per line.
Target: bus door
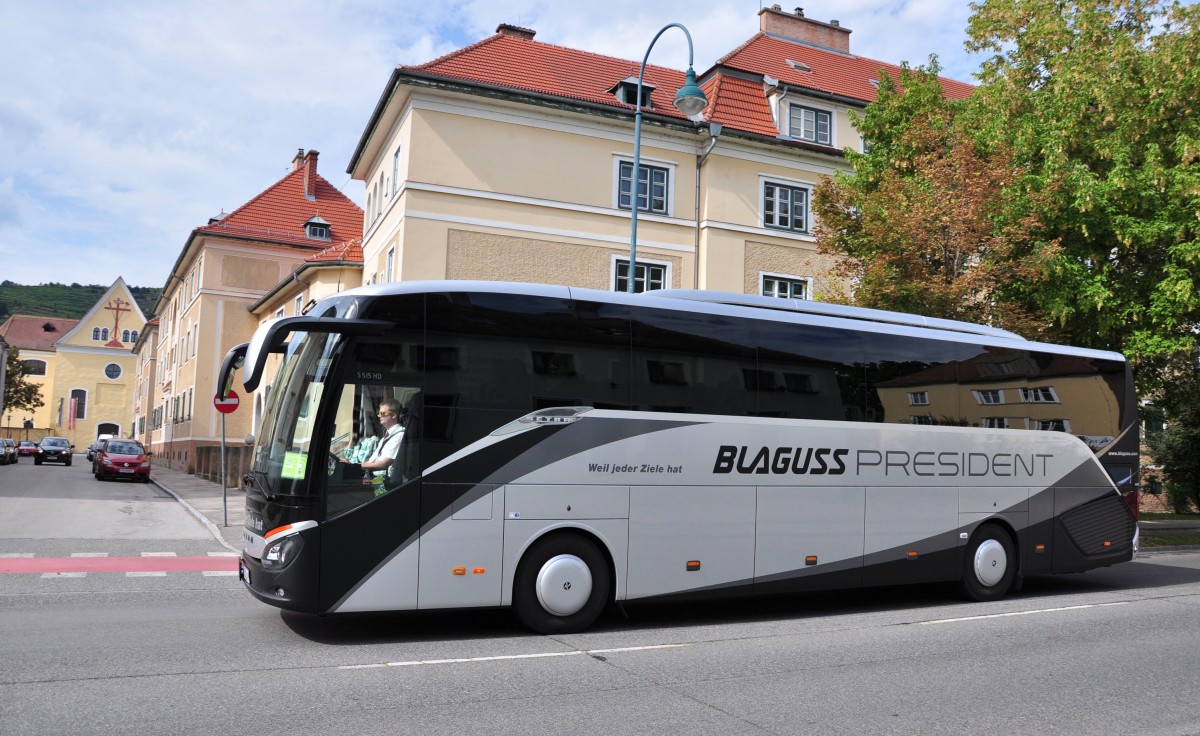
x,y
372,517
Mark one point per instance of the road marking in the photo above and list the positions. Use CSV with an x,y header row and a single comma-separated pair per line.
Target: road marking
x,y
157,563
89,554
64,575
1020,613
159,554
14,555
145,574
218,573
503,657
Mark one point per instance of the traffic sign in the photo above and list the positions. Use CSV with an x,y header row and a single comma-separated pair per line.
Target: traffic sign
x,y
226,405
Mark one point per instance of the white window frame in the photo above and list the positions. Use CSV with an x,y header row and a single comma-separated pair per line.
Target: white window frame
x,y
389,271
918,398
922,420
816,110
994,422
1041,425
120,371
644,163
1039,395
616,260
791,280
983,396
396,170
792,186
298,304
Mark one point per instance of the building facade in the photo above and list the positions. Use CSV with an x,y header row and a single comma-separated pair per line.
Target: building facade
x,y
225,267
512,159
84,368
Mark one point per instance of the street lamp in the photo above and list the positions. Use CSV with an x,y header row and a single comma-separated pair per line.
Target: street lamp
x,y
689,100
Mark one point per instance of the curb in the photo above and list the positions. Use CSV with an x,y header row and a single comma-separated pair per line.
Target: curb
x,y
212,528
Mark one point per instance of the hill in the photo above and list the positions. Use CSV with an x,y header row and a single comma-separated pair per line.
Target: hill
x,y
62,300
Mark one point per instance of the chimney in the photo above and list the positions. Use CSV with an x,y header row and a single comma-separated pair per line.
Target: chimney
x,y
526,34
299,159
795,27
310,173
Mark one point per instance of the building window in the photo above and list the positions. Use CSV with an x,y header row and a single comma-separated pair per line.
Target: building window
x,y
810,124
396,171
95,333
653,187
989,396
994,423
389,272
922,419
785,207
1053,425
649,276
79,402
317,229
1039,395
34,367
784,287
918,398
112,371
279,313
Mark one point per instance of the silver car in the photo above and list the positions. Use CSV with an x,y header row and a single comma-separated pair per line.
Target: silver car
x,y
8,451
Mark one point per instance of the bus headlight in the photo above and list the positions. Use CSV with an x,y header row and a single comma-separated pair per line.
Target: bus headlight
x,y
278,555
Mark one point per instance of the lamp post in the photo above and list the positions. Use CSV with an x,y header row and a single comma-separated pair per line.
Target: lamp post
x,y
689,100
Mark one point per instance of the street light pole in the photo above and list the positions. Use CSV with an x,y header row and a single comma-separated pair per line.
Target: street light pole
x,y
689,100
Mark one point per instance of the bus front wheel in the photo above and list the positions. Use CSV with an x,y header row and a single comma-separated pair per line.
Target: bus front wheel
x,y
990,564
562,585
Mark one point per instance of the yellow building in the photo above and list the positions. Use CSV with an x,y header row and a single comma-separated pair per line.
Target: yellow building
x,y
512,159
84,368
224,269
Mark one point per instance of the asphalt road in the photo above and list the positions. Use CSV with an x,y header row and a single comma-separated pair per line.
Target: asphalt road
x,y
1112,651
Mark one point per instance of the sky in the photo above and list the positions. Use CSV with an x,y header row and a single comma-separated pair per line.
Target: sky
x,y
125,124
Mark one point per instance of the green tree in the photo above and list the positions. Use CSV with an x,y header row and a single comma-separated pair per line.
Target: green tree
x,y
19,394
928,222
1099,102
1175,449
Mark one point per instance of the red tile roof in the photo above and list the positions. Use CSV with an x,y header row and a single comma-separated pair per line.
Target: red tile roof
x,y
349,251
512,62
278,214
26,332
523,64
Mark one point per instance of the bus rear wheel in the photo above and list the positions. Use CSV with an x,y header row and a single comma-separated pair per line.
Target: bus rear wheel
x,y
562,585
990,564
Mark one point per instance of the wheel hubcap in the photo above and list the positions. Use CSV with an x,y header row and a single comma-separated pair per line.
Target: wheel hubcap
x,y
564,585
991,562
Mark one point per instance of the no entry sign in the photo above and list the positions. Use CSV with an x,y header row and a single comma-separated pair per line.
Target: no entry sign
x,y
226,405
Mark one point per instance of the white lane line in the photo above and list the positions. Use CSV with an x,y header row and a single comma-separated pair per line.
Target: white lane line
x,y
1020,613
224,554
503,657
146,574
63,575
15,555
218,573
89,554
159,554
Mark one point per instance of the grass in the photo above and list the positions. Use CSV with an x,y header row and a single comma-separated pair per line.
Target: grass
x,y
1170,539
1168,517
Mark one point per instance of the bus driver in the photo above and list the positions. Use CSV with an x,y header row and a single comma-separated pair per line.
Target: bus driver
x,y
379,466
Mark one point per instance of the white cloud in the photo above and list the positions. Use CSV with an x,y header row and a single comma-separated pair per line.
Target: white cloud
x,y
127,124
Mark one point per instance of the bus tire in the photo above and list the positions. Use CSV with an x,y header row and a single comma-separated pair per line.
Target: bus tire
x,y
562,585
990,564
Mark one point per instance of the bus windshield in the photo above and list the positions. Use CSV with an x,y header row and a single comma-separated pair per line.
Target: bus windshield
x,y
281,454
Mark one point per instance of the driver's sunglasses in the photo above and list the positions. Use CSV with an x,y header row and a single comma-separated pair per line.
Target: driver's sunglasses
x,y
386,414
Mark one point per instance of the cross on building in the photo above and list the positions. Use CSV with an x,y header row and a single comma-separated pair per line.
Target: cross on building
x,y
117,306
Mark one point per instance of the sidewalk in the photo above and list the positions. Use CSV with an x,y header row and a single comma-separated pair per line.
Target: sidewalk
x,y
203,499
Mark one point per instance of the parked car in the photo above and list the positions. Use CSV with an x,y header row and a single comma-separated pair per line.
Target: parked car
x,y
26,447
8,451
118,458
91,451
54,450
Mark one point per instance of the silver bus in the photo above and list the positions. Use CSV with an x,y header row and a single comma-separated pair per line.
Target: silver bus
x,y
556,449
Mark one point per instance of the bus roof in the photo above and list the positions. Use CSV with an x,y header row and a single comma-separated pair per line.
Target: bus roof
x,y
832,315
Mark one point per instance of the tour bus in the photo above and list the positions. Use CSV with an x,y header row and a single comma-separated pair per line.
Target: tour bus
x,y
560,449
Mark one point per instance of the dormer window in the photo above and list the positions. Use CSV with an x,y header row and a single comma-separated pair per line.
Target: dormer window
x,y
626,91
317,229
799,66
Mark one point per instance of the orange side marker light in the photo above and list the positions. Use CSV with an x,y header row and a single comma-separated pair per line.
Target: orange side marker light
x,y
460,571
693,565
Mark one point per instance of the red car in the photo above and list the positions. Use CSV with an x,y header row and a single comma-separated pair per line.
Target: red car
x,y
26,447
118,458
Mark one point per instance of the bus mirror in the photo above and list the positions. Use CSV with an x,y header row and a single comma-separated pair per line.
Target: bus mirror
x,y
233,360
